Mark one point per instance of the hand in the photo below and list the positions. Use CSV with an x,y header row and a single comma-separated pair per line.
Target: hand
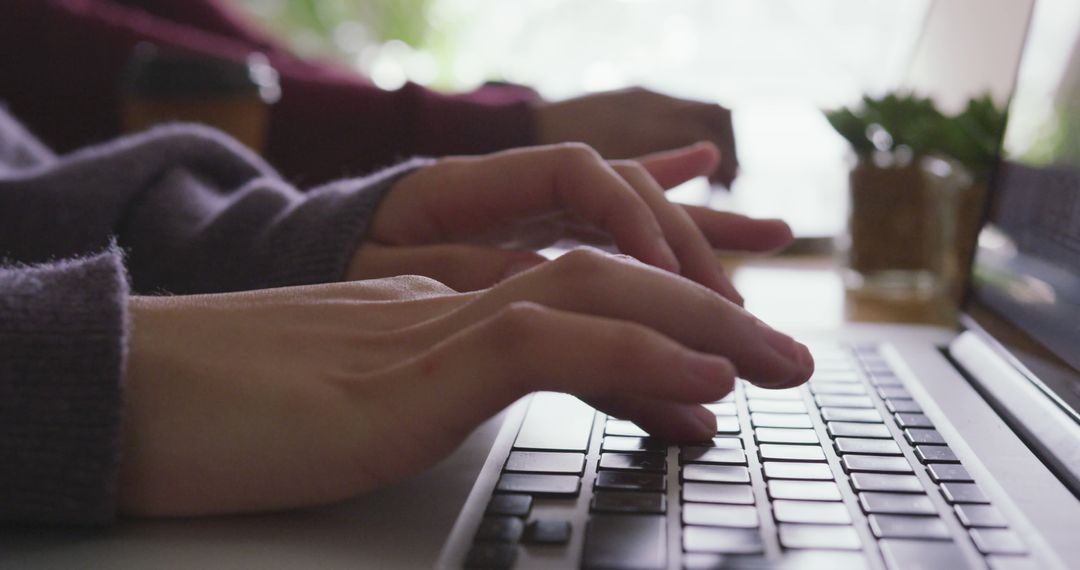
x,y
633,122
300,396
530,198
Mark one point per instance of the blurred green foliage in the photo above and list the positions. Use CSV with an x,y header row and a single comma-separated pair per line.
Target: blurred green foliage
x,y
317,21
887,123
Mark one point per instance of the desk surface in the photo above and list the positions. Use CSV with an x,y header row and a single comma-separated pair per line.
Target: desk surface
x,y
807,291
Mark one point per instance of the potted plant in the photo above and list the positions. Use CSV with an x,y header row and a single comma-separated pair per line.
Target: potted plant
x,y
917,187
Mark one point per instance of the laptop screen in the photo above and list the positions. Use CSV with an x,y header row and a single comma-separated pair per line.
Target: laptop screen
x,y
1027,266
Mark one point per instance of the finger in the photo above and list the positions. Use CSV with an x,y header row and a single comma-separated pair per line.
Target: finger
x,y
461,267
674,167
669,421
523,348
589,282
717,122
734,232
519,184
696,258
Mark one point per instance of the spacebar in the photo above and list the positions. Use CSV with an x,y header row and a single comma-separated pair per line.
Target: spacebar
x,y
556,422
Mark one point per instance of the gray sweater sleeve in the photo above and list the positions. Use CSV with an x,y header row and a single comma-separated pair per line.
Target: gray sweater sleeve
x,y
194,211
62,338
189,211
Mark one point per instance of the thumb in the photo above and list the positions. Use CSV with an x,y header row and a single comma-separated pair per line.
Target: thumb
x,y
673,167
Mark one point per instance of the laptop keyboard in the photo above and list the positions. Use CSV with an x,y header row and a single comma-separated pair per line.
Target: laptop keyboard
x,y
844,472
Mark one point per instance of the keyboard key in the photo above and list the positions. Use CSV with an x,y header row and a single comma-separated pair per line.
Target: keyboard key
x,y
491,556
777,406
944,472
894,393
734,516
727,424
851,415
784,435
1012,563
803,490
905,554
722,442
844,375
555,422
623,427
831,401
923,437
837,389
811,512
547,531
717,493
896,504
776,452
781,420
819,536
722,540
935,454
885,380
980,516
997,541
546,462
888,483
630,481
963,493
633,542
500,529
903,406
629,502
875,464
903,526
905,421
719,455
799,471
634,462
716,473
638,444
852,429
758,393
722,408
510,505
847,445
541,485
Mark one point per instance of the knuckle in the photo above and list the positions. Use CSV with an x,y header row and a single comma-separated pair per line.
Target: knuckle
x,y
514,324
420,284
581,265
576,153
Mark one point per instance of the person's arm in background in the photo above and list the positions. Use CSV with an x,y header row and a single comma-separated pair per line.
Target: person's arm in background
x,y
63,60
330,122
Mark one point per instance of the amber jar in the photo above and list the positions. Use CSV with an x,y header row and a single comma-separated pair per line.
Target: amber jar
x,y
163,86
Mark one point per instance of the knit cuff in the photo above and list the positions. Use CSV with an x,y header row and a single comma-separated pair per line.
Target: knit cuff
x,y
316,242
62,351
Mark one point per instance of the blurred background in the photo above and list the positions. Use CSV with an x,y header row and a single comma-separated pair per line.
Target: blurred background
x,y
776,63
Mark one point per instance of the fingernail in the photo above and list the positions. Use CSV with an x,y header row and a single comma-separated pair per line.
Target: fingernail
x,y
707,421
784,344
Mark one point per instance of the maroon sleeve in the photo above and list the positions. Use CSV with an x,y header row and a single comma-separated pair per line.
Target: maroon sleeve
x,y
61,62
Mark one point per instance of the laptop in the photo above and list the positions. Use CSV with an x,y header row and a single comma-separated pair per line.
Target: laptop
x,y
912,447
909,448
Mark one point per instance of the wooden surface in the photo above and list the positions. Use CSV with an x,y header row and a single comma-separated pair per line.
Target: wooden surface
x,y
799,291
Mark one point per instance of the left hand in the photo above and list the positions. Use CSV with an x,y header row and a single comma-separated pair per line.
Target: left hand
x,y
633,122
530,198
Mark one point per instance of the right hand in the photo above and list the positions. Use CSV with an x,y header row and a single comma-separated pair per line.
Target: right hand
x,y
299,396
